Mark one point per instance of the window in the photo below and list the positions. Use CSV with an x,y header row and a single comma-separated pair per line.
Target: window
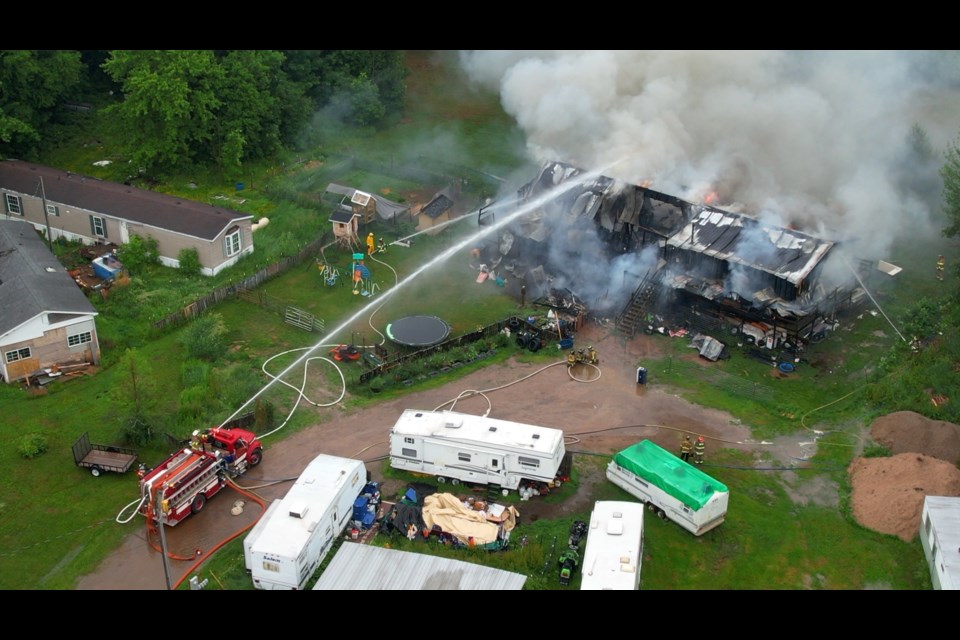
x,y
79,339
409,453
53,210
528,462
463,457
13,204
18,354
98,227
408,440
231,243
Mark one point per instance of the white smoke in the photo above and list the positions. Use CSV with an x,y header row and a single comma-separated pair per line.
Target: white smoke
x,y
812,140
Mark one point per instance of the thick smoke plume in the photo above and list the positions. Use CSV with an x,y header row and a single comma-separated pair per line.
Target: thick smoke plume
x,y
823,142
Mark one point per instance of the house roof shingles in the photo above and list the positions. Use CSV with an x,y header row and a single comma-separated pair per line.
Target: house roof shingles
x,y
117,200
32,281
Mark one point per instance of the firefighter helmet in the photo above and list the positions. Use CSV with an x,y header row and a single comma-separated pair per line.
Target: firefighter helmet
x,y
699,438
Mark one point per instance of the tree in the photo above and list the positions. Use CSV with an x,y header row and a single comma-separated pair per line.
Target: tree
x,y
170,103
951,189
134,398
366,107
328,76
32,87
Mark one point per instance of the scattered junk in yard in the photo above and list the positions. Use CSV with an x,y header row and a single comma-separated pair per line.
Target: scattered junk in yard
x,y
569,560
345,353
104,271
423,514
578,530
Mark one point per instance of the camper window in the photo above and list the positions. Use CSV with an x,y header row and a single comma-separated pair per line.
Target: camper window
x,y
528,462
408,440
409,453
463,457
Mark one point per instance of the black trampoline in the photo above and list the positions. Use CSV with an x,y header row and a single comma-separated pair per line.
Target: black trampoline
x,y
418,331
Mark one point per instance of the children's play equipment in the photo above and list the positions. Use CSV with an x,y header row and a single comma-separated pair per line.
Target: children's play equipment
x,y
361,277
330,274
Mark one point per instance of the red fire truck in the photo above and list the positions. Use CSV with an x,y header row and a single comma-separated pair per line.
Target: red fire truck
x,y
182,483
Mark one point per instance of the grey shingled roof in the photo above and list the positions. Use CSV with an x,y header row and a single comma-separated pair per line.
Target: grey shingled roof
x,y
118,200
362,567
27,287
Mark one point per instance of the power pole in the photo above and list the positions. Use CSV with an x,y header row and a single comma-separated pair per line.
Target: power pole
x,y
46,216
163,537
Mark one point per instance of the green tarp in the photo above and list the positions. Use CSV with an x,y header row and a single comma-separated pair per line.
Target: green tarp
x,y
659,467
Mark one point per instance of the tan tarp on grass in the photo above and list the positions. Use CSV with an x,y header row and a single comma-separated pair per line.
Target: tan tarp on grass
x,y
447,512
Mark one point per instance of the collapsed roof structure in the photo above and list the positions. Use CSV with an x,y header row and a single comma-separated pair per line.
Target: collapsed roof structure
x,y
631,253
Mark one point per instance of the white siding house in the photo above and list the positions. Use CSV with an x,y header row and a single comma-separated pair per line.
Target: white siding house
x,y
45,319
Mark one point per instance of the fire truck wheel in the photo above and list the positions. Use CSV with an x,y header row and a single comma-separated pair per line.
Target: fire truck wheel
x,y
95,471
198,503
256,457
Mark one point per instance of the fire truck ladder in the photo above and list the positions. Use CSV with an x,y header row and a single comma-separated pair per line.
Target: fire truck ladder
x,y
635,311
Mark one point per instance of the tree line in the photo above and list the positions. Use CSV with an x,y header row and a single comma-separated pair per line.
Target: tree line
x,y
174,108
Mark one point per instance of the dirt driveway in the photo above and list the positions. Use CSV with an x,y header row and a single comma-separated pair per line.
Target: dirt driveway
x,y
603,412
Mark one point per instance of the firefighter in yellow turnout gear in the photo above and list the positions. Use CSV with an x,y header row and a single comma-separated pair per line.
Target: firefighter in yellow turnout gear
x,y
686,446
698,450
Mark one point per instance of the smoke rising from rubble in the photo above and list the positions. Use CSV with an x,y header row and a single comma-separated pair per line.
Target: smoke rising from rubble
x,y
816,141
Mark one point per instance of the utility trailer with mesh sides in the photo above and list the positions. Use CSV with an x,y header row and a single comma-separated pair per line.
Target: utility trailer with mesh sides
x,y
670,487
101,457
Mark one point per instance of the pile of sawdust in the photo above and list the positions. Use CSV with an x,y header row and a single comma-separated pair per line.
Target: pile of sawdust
x,y
887,493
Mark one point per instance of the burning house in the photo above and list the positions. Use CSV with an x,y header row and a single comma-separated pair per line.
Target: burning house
x,y
633,254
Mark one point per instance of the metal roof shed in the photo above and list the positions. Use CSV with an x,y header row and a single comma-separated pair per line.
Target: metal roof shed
x,y
360,567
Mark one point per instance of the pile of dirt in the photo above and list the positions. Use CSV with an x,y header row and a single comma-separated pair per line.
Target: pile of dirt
x,y
887,493
908,432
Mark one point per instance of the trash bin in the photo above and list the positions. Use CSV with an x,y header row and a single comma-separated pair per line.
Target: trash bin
x,y
641,375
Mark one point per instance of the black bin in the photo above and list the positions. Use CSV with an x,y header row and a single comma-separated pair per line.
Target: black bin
x,y
641,375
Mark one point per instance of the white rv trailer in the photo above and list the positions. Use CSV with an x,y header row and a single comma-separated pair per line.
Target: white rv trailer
x,y
287,545
670,487
614,551
459,447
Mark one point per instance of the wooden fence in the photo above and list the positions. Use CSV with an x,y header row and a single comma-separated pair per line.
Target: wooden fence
x,y
242,288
